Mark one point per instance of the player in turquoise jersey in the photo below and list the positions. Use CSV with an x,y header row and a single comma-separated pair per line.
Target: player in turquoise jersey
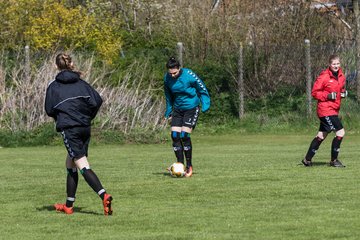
x,y
184,93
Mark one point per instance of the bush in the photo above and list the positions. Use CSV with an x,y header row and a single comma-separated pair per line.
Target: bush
x,y
43,135
107,137
287,99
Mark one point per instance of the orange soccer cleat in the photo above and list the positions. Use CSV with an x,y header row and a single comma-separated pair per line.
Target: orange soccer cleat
x,y
189,172
60,207
107,204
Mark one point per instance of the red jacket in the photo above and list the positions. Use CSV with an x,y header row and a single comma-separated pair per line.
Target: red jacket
x,y
325,84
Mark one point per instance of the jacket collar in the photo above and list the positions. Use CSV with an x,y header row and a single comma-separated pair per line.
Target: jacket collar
x,y
332,75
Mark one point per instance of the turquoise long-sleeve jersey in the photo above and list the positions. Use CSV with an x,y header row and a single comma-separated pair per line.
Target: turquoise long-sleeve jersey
x,y
185,92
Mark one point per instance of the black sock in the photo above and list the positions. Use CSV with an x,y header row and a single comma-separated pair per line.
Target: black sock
x,y
335,147
314,146
71,186
102,195
185,137
93,181
177,146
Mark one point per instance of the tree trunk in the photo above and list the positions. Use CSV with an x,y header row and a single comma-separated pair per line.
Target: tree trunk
x,y
308,76
240,81
357,41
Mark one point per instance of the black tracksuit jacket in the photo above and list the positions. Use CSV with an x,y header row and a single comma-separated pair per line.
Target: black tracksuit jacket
x,y
71,101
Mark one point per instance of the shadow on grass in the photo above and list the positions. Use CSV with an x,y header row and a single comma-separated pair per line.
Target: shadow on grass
x,y
76,210
317,164
162,173
320,164
167,174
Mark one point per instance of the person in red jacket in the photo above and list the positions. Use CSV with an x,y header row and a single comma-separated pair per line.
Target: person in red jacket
x,y
328,90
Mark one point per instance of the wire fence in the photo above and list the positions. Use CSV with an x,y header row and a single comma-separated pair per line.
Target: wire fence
x,y
264,70
126,106
254,71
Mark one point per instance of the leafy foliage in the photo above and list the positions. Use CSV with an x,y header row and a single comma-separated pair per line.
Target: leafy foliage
x,y
120,33
53,25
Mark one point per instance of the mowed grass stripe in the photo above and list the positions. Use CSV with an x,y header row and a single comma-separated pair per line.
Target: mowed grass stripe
x,y
244,187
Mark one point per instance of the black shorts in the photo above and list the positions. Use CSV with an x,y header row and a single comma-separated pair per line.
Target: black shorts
x,y
330,123
76,140
185,118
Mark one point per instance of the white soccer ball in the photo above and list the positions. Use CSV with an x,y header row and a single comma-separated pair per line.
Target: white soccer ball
x,y
177,169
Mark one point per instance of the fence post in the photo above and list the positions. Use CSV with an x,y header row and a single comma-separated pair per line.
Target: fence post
x,y
27,64
2,80
308,76
180,48
240,81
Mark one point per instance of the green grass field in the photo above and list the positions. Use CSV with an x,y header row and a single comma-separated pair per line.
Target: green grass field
x,y
244,187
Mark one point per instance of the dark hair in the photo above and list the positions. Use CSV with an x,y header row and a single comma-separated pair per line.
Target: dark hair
x,y
333,57
63,62
172,63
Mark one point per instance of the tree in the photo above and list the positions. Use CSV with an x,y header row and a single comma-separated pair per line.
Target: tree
x,y
15,19
58,26
357,41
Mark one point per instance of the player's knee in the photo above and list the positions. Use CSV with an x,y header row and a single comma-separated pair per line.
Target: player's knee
x,y
320,139
185,138
72,171
340,133
84,170
175,136
321,136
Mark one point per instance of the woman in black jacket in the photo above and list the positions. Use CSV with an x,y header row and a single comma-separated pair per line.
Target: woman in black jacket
x,y
73,103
